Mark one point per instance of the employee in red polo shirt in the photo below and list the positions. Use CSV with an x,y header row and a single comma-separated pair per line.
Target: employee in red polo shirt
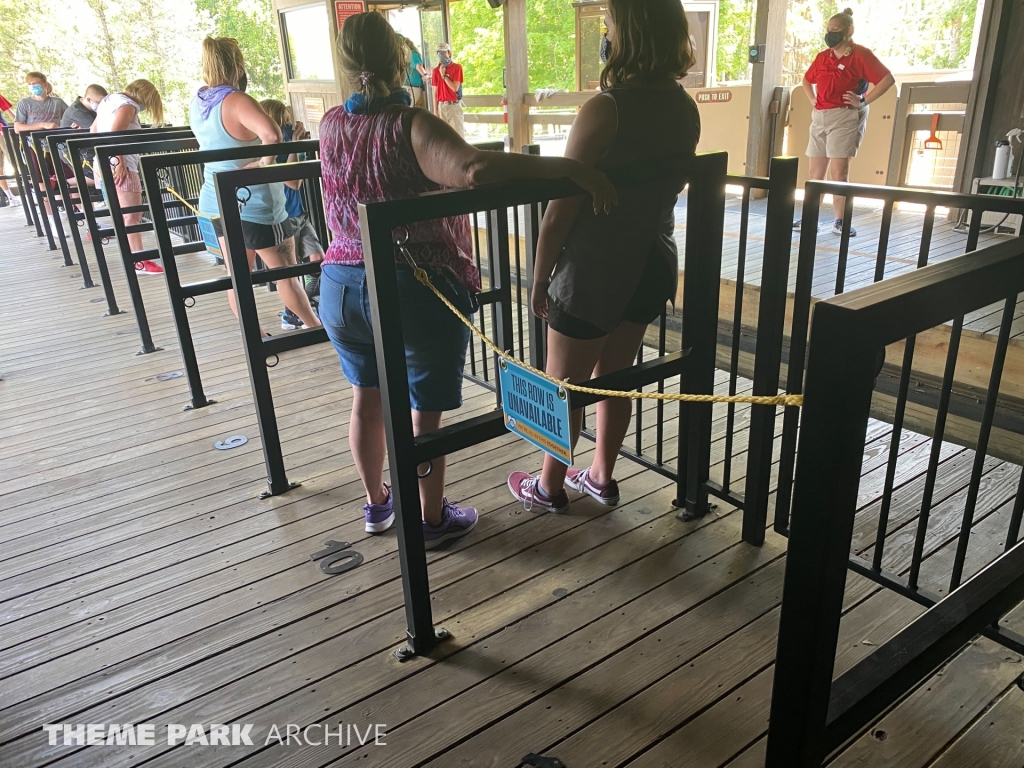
x,y
447,81
836,83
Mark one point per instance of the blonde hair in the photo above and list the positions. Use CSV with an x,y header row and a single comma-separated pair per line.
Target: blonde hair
x,y
278,111
845,19
373,57
650,41
40,76
147,96
222,61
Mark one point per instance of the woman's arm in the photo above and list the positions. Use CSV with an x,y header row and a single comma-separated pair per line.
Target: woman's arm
x,y
592,133
245,120
445,158
809,90
879,90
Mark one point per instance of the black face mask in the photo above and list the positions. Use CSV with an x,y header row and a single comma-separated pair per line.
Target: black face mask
x,y
832,39
604,49
243,82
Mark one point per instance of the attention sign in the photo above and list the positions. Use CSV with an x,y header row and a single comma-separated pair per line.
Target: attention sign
x,y
345,8
314,108
536,410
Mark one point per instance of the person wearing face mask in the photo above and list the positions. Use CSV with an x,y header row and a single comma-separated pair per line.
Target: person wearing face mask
x,y
836,84
41,110
447,79
82,111
120,112
222,116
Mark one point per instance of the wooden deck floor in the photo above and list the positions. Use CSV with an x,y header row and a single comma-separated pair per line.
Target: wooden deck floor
x,y
142,581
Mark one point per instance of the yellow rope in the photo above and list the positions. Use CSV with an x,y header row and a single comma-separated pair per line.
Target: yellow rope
x,y
785,400
186,203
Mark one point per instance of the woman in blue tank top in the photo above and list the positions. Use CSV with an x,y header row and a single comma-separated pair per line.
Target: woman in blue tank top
x,y
600,280
222,116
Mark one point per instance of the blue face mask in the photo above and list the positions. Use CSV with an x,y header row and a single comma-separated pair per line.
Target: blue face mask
x,y
37,90
287,130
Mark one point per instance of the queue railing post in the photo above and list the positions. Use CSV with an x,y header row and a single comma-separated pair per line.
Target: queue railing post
x,y
28,186
499,268
91,222
42,150
705,222
104,156
58,145
255,349
797,350
771,321
12,155
382,279
533,214
840,380
36,170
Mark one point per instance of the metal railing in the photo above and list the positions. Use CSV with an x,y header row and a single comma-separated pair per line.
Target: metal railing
x,y
30,191
157,170
77,148
805,278
379,220
812,715
14,155
121,230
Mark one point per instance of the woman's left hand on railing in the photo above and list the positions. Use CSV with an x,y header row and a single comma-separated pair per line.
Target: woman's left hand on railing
x,y
598,185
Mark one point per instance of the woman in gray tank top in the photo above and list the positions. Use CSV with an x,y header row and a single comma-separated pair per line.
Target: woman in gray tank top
x,y
601,279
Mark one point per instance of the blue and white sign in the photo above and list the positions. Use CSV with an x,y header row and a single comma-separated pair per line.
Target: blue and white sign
x,y
206,229
536,410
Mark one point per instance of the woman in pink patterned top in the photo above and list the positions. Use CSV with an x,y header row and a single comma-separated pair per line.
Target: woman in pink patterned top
x,y
376,147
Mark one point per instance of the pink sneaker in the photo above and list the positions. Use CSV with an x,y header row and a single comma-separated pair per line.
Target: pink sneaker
x,y
526,488
148,268
580,480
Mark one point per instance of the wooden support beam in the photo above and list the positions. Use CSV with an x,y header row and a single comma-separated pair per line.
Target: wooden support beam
x,y
517,74
769,31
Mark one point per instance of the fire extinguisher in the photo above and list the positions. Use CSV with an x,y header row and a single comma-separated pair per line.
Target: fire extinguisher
x,y
504,109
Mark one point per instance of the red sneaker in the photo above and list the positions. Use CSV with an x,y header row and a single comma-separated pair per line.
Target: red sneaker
x,y
148,268
580,480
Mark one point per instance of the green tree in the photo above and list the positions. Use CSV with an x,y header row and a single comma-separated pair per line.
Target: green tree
x,y
735,34
251,23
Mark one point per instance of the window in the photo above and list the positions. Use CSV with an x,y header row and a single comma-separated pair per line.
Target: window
x,y
307,42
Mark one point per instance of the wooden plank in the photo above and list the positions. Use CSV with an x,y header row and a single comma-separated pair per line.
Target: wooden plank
x,y
920,728
994,740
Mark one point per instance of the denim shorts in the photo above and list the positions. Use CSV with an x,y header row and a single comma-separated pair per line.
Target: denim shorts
x,y
435,339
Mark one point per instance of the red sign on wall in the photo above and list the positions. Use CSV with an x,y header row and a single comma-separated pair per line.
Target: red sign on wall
x,y
345,8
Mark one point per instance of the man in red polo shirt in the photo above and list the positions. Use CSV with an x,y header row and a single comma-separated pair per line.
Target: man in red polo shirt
x,y
836,83
447,81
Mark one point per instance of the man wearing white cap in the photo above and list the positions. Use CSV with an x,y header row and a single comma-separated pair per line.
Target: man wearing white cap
x,y
447,81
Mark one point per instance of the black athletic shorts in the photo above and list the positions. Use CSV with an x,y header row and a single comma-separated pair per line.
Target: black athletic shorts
x,y
260,236
646,306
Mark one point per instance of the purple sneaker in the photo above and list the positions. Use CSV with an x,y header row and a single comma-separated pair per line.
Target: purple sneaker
x,y
528,490
379,517
580,480
455,522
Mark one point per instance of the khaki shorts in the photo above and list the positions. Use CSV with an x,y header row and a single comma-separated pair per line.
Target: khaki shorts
x,y
836,133
451,113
